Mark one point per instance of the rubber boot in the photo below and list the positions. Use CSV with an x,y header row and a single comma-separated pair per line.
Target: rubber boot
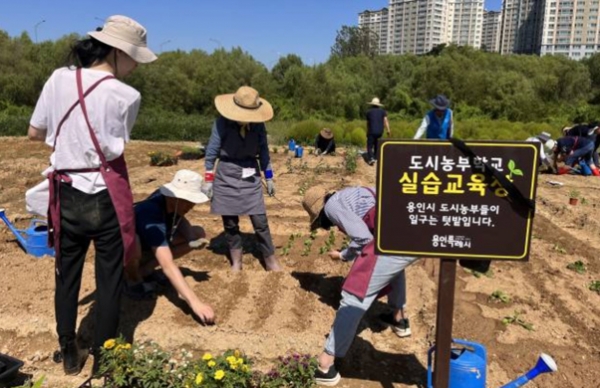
x,y
73,357
236,259
272,264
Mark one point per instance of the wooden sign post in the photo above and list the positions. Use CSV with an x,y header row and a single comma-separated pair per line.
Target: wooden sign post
x,y
455,200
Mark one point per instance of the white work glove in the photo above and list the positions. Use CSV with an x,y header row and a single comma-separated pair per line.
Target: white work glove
x,y
270,187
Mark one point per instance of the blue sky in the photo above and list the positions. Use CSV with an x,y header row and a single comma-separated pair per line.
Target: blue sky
x,y
266,29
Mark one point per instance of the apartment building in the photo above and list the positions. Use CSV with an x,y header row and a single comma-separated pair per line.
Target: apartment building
x,y
466,22
522,26
571,28
490,35
416,26
377,22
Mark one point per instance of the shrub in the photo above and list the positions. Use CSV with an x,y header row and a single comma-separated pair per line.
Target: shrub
x,y
305,131
357,137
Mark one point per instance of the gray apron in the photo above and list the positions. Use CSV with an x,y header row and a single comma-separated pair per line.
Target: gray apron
x,y
232,194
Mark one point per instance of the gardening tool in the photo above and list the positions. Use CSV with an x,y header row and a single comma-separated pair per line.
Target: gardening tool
x,y
35,241
545,364
468,367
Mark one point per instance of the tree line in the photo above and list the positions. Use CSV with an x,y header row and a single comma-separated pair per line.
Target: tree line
x,y
181,85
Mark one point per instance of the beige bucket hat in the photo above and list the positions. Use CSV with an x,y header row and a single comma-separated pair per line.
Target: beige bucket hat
x,y
126,35
244,105
313,203
375,101
326,133
187,185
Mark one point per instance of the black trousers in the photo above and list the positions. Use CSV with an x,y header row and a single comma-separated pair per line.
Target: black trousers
x,y
86,218
260,223
372,146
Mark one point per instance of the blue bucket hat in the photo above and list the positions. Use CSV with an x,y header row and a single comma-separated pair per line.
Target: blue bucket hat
x,y
440,102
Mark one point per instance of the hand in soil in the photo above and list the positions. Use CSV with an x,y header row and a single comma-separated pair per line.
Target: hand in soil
x,y
205,313
335,255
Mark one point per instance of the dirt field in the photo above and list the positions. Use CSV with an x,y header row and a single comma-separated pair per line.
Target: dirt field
x,y
270,314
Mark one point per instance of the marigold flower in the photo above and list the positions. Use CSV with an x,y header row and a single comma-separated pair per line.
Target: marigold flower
x,y
110,343
245,368
231,359
199,379
212,363
237,353
219,375
240,361
207,356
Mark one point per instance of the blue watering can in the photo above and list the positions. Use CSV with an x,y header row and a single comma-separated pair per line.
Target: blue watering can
x,y
35,241
292,145
299,151
468,367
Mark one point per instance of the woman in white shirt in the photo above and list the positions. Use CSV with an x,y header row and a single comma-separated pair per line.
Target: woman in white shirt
x,y
86,114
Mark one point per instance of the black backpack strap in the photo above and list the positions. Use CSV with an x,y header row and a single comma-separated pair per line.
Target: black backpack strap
x,y
513,192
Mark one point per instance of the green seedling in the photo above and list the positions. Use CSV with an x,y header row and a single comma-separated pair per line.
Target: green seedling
x,y
512,167
584,201
559,249
275,150
574,193
516,319
329,243
595,286
499,296
577,266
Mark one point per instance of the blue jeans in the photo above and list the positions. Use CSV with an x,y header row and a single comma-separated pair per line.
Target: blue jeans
x,y
585,153
388,270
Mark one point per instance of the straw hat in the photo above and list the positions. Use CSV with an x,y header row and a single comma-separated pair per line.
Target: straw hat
x,y
126,35
187,185
326,133
375,102
244,105
313,203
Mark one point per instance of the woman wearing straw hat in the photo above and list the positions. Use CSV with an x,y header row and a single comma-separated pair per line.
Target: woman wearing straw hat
x,y
237,137
352,210
86,114
325,143
376,121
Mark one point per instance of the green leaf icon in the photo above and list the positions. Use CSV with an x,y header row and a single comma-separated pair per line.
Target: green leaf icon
x,y
511,165
517,172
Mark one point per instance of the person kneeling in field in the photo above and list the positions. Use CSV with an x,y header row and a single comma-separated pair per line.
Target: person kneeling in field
x,y
164,234
352,210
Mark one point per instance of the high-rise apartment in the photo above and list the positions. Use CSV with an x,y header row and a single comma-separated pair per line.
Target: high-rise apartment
x,y
522,25
571,28
490,36
416,26
377,22
466,22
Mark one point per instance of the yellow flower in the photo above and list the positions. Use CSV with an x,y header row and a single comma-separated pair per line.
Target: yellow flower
x,y
233,366
212,363
127,346
240,361
231,359
245,368
219,375
237,353
109,344
207,356
199,379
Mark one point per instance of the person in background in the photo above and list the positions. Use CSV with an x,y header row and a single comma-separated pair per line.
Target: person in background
x,y
438,123
86,114
589,131
325,143
238,136
547,143
376,121
163,235
574,150
352,210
